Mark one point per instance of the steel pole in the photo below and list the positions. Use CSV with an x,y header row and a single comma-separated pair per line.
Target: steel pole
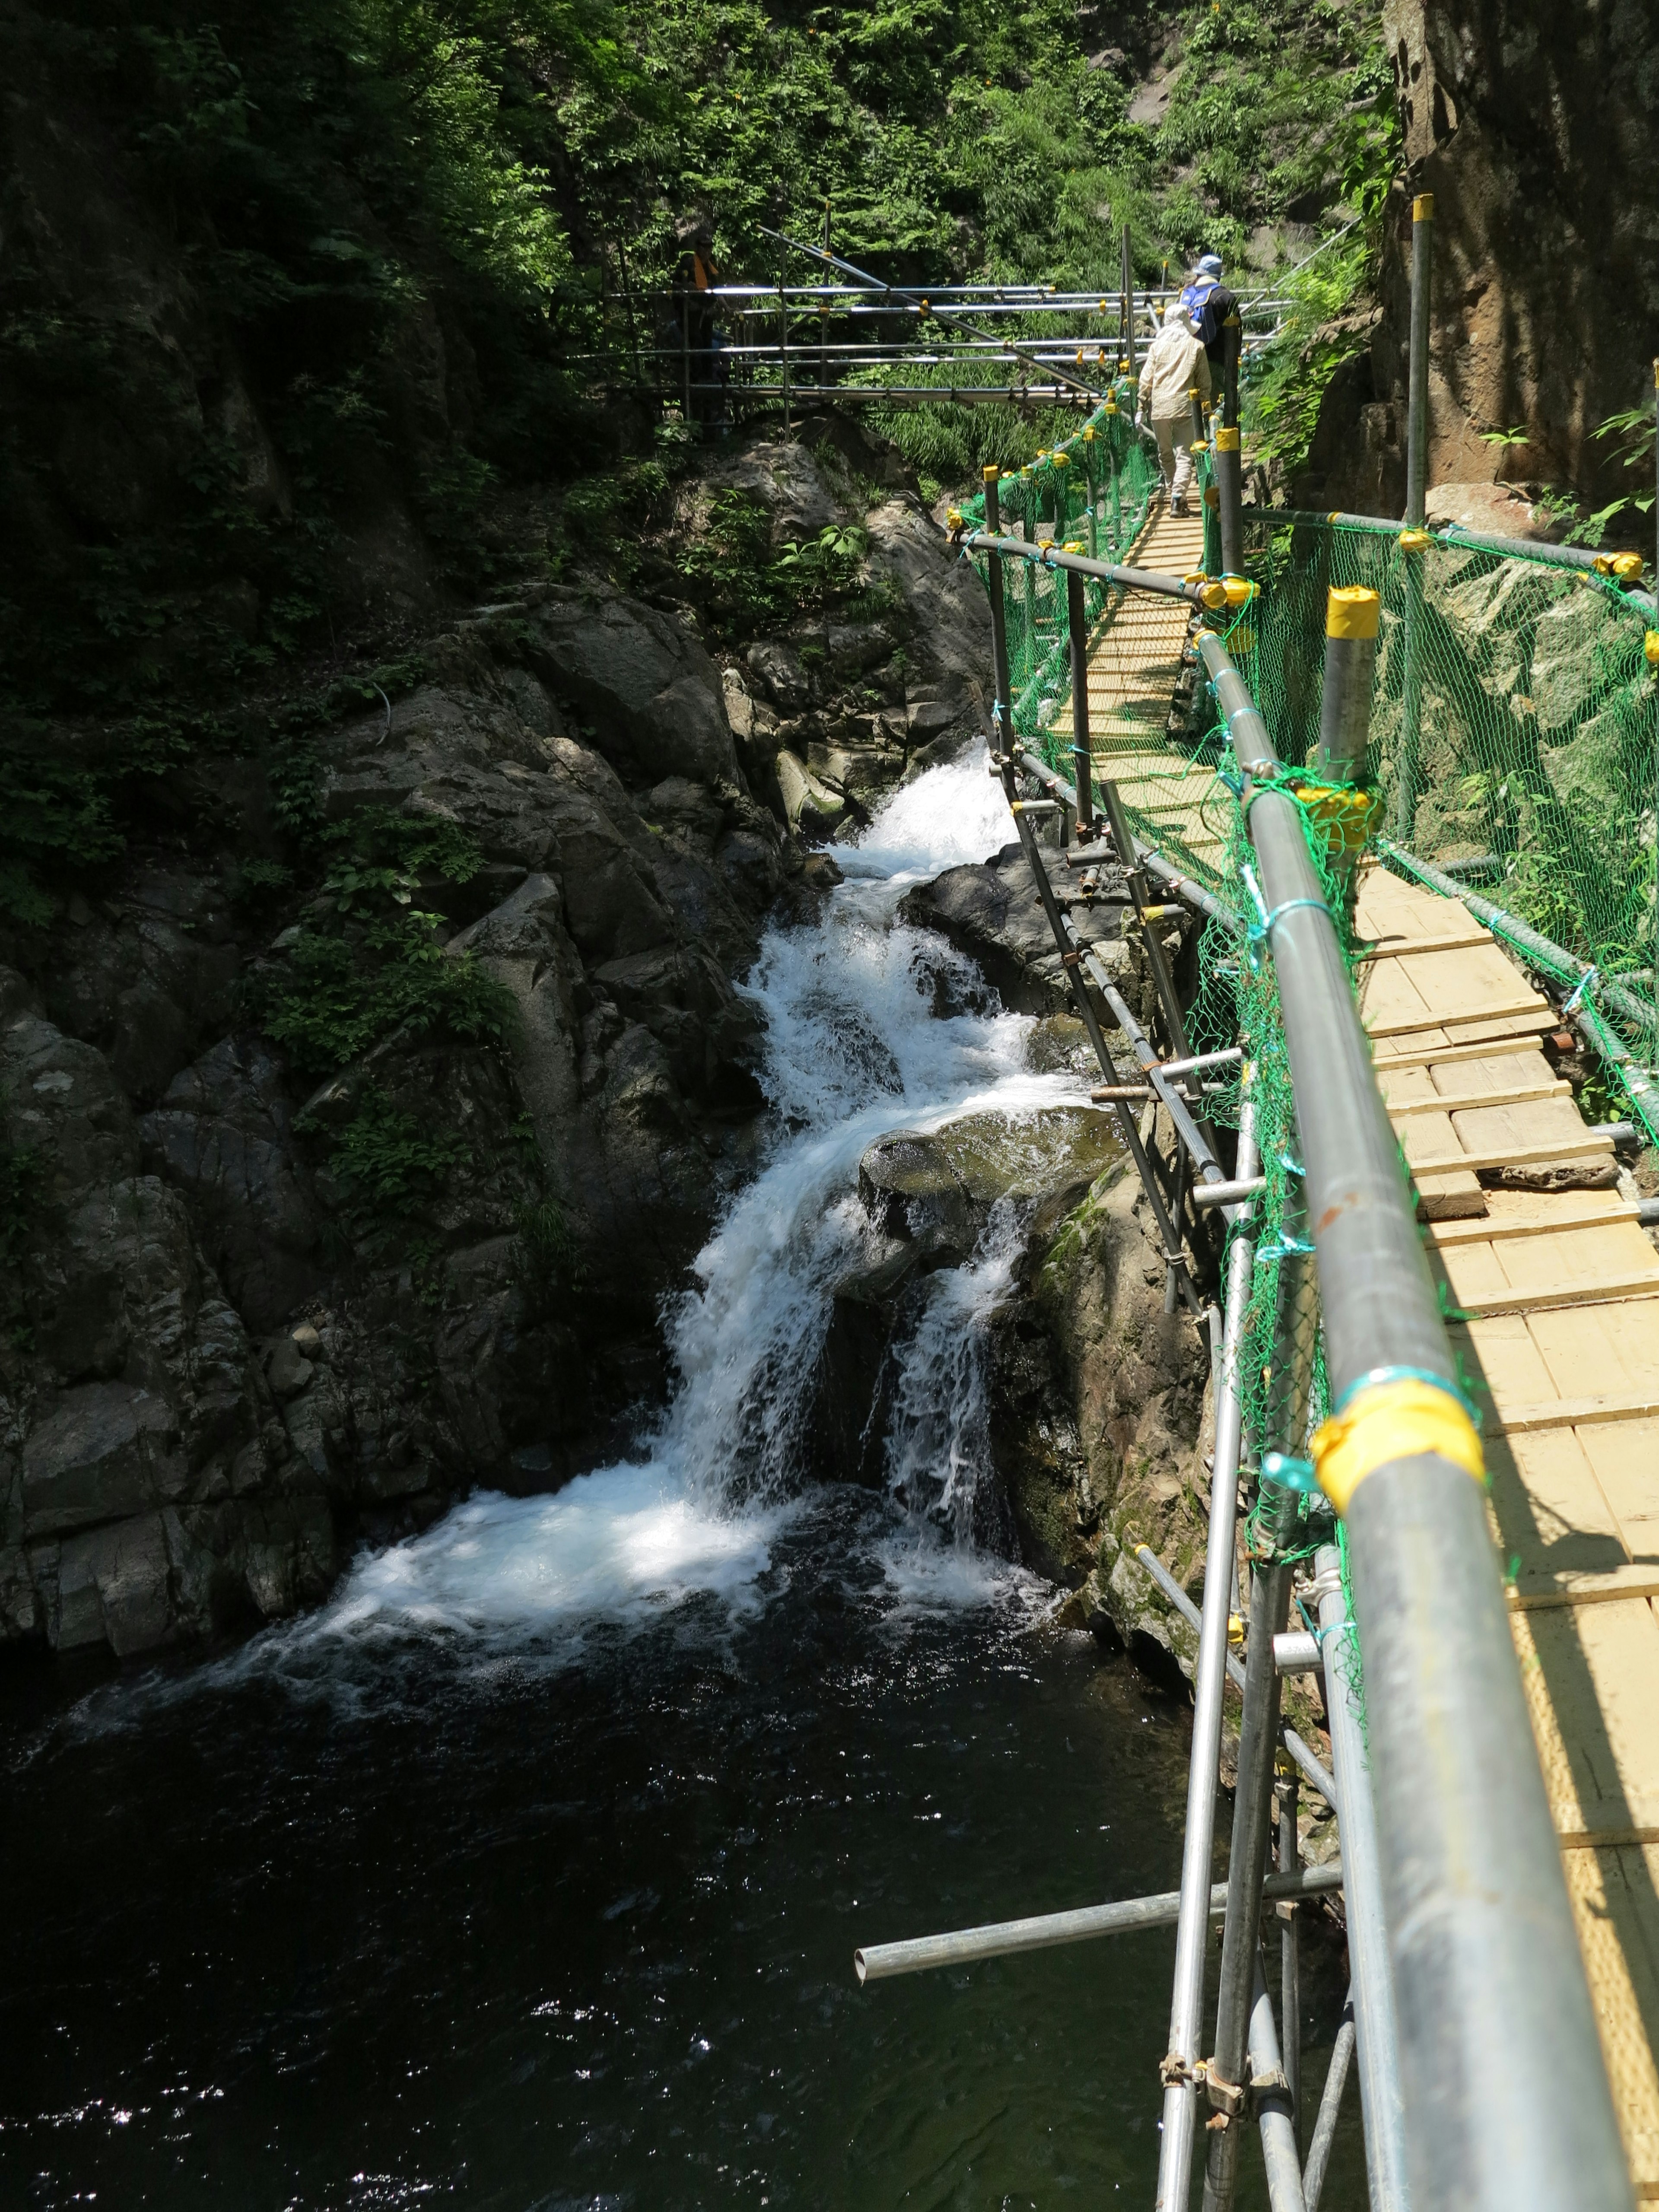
x,y
1330,2104
1352,616
1506,2097
1210,1675
1229,487
1128,266
1290,1937
1368,1943
1077,626
1226,2085
1275,2103
1417,405
1002,707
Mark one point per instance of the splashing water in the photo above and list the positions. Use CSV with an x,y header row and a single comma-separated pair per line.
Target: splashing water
x,y
853,1050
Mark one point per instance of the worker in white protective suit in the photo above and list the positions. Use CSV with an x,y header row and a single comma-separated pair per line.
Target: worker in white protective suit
x,y
1175,363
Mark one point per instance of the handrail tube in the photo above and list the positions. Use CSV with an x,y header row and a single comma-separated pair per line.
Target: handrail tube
x,y
1506,2097
1049,557
1452,534
1047,1932
1275,2106
1210,1677
1376,2020
1323,1782
1330,2104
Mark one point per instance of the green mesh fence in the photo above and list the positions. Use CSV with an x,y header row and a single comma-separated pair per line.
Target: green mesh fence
x,y
1515,724
1093,493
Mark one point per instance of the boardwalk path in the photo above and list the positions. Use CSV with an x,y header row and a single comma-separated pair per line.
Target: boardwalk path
x,y
1555,1295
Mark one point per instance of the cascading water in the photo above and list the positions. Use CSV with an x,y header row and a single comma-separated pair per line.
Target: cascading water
x,y
853,1049
526,1874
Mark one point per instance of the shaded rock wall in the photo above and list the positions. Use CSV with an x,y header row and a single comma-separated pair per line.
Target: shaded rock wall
x,y
219,1366
1537,130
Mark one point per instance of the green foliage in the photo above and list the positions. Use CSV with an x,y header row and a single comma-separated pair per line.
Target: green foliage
x,y
391,1162
20,1183
549,1261
52,816
1283,385
368,964
743,586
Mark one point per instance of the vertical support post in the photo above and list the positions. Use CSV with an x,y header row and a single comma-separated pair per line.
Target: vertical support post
x,y
783,349
1362,1879
1175,2157
1330,2104
1417,405
685,356
1414,547
1275,2107
1001,705
1128,277
1270,1595
1352,617
1082,759
1290,1938
1229,456
1168,998
1092,482
1195,401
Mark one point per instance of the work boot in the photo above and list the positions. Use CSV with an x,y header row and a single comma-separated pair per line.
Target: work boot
x,y
1178,507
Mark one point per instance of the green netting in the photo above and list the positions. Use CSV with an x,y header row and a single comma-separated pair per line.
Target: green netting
x,y
1093,493
1514,722
1514,719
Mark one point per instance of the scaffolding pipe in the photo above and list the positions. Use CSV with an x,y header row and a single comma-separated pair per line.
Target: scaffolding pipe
x,y
1417,405
1105,572
1210,1675
1077,631
1313,1769
1506,2094
1374,2016
1289,1927
1275,2102
1353,616
1046,1931
1330,2104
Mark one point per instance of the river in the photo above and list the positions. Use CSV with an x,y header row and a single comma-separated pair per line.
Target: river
x,y
527,1873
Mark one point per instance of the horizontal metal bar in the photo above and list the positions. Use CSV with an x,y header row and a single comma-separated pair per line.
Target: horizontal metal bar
x,y
1298,1652
1230,1058
879,1962
1647,1211
1450,534
1134,580
1309,1761
1229,1194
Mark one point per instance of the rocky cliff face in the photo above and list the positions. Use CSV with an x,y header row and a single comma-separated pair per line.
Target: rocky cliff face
x,y
1537,131
265,1292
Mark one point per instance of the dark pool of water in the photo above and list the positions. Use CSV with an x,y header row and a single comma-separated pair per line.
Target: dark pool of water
x,y
519,1934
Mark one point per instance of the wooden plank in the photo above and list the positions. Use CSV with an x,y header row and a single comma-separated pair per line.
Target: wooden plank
x,y
1402,947
1523,1094
1520,1420
1624,1457
1578,1210
1587,1145
1551,1515
1577,1294
1439,1049
1400,1026
1612,1889
1590,1673
1567,1587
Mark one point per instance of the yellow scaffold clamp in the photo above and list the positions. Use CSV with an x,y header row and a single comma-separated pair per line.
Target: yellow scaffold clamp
x,y
1650,647
1415,541
1343,814
1626,567
1240,591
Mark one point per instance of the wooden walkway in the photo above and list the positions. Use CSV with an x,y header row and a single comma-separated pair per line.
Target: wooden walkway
x,y
1554,1299
1551,1288
1134,664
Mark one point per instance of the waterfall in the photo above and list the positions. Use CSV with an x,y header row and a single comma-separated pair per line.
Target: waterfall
x,y
853,1049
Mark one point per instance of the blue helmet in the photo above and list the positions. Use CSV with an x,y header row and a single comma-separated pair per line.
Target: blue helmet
x,y
1210,265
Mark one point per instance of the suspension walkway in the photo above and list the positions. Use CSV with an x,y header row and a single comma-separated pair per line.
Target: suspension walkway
x,y
1417,1261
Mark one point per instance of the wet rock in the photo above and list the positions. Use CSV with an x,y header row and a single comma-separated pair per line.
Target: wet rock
x,y
809,806
656,695
224,1135
845,1435
990,911
936,1188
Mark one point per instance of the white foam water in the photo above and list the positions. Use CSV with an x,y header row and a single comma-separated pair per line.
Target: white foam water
x,y
855,1049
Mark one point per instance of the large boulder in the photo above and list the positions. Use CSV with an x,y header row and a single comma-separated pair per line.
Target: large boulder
x,y
656,695
991,912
